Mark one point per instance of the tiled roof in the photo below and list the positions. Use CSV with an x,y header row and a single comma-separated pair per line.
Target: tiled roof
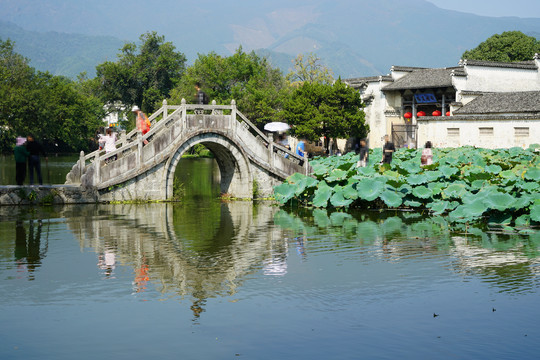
x,y
503,103
361,81
514,65
423,79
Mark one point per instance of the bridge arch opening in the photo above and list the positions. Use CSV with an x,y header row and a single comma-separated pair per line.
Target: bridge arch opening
x,y
236,179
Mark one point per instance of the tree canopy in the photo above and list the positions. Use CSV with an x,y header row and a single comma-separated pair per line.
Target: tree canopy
x,y
325,110
244,77
142,76
308,68
52,108
509,46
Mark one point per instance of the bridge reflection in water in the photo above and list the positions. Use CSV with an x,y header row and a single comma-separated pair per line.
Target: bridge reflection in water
x,y
182,250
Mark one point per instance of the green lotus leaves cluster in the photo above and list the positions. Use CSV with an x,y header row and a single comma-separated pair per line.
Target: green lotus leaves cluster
x,y
501,186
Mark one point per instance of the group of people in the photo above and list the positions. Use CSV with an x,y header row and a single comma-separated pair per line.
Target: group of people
x,y
27,153
388,151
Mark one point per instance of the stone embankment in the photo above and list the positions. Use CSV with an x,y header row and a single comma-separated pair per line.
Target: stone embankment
x,y
47,194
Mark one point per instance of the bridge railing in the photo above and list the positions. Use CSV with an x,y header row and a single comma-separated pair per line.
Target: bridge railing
x,y
163,118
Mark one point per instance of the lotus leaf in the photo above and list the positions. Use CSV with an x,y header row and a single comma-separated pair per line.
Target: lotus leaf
x,y
409,167
336,175
455,191
448,171
349,191
391,198
530,186
338,199
478,184
422,192
532,174
499,201
405,189
535,212
523,221
440,207
472,210
322,195
369,189
284,192
417,179
493,169
319,170
433,175
412,203
437,187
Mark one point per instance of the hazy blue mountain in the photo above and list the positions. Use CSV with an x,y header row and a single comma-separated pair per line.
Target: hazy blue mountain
x,y
353,37
60,53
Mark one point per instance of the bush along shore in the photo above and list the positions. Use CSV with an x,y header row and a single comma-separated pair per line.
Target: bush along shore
x,y
469,185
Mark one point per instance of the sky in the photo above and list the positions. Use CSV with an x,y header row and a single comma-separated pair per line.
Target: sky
x,y
520,8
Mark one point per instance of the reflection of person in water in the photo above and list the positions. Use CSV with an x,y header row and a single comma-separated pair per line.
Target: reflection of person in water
x,y
28,251
141,276
107,262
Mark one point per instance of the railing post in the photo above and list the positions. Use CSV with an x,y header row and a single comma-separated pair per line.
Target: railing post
x,y
184,114
306,165
81,164
139,149
165,112
97,172
271,149
233,116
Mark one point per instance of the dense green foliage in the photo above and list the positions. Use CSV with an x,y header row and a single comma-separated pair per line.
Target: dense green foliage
x,y
325,110
310,69
245,77
468,184
52,108
507,47
142,76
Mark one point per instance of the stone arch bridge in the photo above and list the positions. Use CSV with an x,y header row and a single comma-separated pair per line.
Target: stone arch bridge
x,y
135,171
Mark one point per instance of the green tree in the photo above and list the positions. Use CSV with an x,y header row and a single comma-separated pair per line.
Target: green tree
x,y
507,47
308,68
318,110
53,108
244,77
142,76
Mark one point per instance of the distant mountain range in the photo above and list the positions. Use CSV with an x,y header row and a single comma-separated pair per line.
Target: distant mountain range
x,y
353,37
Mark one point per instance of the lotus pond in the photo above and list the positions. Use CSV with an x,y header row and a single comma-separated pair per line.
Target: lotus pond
x,y
469,185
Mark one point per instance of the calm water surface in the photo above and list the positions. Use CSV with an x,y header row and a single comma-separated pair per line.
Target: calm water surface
x,y
205,279
53,171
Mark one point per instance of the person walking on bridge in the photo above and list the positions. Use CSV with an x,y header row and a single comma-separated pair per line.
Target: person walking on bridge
x,y
21,155
142,122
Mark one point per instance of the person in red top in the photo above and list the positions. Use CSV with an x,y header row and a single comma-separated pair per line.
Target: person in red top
x,y
141,120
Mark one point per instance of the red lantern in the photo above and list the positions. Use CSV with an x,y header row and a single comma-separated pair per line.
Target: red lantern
x,y
407,115
436,113
448,113
420,114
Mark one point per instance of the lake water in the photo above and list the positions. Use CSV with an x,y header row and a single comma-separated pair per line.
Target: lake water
x,y
204,279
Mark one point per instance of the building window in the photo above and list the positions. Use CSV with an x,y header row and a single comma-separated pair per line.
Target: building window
x,y
452,132
486,131
521,132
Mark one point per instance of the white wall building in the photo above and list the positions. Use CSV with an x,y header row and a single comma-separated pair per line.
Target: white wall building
x,y
479,103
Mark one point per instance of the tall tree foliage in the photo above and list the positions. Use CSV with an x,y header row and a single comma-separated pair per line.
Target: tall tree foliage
x,y
309,68
51,107
244,77
507,47
144,75
325,110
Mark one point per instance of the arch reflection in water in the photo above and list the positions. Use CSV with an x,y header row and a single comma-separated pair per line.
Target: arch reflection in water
x,y
180,250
